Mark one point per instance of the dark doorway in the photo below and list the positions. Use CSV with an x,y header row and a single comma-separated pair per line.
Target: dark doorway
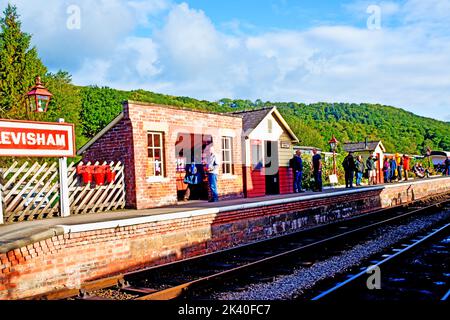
x,y
271,167
190,149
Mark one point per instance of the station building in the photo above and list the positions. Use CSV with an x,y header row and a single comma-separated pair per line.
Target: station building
x,y
156,142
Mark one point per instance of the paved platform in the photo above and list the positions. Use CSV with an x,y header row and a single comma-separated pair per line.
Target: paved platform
x,y
16,235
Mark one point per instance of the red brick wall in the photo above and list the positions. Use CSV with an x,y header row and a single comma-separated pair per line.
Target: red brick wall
x,y
128,141
116,145
67,260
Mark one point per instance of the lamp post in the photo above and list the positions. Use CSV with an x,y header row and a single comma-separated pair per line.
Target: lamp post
x,y
333,144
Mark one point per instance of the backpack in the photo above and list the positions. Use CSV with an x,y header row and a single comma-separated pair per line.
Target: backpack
x,y
292,163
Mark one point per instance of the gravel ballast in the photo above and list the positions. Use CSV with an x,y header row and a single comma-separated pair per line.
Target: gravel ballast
x,y
290,286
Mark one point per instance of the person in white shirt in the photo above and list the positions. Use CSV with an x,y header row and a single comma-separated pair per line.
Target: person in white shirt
x,y
212,168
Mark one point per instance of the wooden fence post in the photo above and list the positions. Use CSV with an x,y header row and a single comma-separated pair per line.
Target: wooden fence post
x,y
64,204
1,204
1,196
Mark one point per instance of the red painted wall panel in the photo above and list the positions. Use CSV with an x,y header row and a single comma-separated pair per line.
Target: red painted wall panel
x,y
255,185
286,180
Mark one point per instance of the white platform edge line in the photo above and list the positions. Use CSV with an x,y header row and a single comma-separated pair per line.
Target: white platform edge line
x,y
135,221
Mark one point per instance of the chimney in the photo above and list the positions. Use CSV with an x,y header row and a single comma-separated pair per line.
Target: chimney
x,y
366,144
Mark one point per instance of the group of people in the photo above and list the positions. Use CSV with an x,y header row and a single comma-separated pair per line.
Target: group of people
x,y
395,168
296,164
195,173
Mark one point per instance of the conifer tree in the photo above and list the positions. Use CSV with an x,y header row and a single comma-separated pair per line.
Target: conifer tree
x,y
19,65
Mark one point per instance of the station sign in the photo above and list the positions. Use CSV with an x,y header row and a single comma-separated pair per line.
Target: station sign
x,y
285,145
36,139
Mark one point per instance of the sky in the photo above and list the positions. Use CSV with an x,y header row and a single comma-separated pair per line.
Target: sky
x,y
389,52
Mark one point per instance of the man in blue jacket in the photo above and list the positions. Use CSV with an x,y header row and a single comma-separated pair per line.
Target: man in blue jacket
x,y
297,170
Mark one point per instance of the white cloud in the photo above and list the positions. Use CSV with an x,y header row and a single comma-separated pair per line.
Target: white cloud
x,y
406,64
104,24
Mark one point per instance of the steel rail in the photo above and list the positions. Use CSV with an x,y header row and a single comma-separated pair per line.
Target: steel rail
x,y
390,257
176,291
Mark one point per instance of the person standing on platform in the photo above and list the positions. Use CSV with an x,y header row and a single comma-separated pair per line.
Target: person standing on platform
x,y
296,165
399,166
447,166
317,170
359,170
386,170
212,168
393,165
405,165
349,168
370,164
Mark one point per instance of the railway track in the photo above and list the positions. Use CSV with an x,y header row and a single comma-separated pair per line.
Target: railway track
x,y
182,278
402,271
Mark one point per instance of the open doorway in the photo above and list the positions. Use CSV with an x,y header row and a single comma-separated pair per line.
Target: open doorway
x,y
272,167
191,157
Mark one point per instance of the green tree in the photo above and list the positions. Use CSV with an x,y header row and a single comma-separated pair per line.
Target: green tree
x,y
99,107
19,65
65,103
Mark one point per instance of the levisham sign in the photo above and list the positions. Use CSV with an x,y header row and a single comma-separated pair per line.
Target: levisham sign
x,y
36,139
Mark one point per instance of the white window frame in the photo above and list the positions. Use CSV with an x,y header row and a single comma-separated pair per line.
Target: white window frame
x,y
230,151
161,148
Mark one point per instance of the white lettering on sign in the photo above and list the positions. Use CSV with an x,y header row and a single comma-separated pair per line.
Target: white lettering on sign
x,y
39,139
32,139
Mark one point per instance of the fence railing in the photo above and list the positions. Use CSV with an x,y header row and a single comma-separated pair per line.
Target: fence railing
x,y
91,198
32,191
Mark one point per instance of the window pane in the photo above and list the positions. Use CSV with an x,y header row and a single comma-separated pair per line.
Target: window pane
x,y
150,140
157,154
157,139
158,168
150,153
150,168
223,143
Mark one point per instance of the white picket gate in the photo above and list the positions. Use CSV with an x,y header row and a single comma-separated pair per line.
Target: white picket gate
x,y
33,191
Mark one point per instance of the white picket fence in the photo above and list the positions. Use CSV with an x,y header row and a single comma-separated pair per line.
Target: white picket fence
x,y
33,191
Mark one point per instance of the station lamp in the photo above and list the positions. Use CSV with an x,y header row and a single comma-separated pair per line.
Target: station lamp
x,y
39,97
333,145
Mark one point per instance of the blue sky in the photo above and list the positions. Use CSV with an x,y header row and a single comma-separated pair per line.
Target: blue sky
x,y
389,52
